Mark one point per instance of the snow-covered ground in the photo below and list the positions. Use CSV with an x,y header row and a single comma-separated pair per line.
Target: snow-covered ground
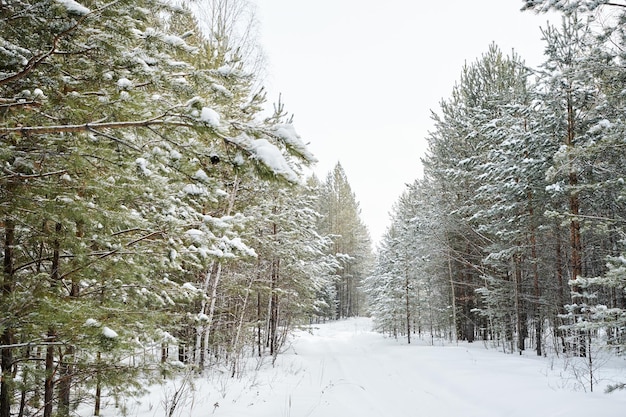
x,y
343,369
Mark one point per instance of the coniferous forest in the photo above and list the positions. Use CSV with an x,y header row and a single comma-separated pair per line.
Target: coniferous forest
x,y
154,215
158,214
516,234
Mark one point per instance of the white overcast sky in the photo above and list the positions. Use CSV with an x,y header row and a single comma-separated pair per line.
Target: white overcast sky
x,y
362,76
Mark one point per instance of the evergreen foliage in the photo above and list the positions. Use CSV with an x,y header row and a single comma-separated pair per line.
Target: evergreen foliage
x,y
351,244
151,217
517,228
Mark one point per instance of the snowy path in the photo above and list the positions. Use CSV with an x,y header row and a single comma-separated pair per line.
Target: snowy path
x,y
348,374
344,369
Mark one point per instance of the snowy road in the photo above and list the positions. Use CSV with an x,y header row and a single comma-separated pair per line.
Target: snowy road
x,y
346,373
343,369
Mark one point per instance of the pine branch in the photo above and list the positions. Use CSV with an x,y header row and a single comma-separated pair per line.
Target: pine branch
x,y
40,130
615,387
19,103
134,229
30,176
97,255
26,344
39,260
112,252
36,60
114,139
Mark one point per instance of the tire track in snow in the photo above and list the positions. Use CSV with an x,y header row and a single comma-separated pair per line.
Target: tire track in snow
x,y
345,370
358,378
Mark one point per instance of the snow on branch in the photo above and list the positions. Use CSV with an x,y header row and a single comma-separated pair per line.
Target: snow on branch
x,y
287,133
210,117
268,154
74,7
38,59
260,149
168,38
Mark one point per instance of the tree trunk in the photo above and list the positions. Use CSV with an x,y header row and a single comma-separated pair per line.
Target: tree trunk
x,y
453,296
535,271
6,361
201,328
468,328
66,370
52,334
273,317
48,394
98,396
25,378
518,304
574,208
560,290
408,307
98,399
258,322
66,366
217,271
574,202
66,359
6,387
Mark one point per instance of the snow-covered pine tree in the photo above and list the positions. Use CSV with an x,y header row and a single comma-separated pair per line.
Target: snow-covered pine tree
x,y
600,301
568,95
437,296
409,290
508,204
292,268
384,299
393,288
568,7
594,160
110,129
458,146
340,220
